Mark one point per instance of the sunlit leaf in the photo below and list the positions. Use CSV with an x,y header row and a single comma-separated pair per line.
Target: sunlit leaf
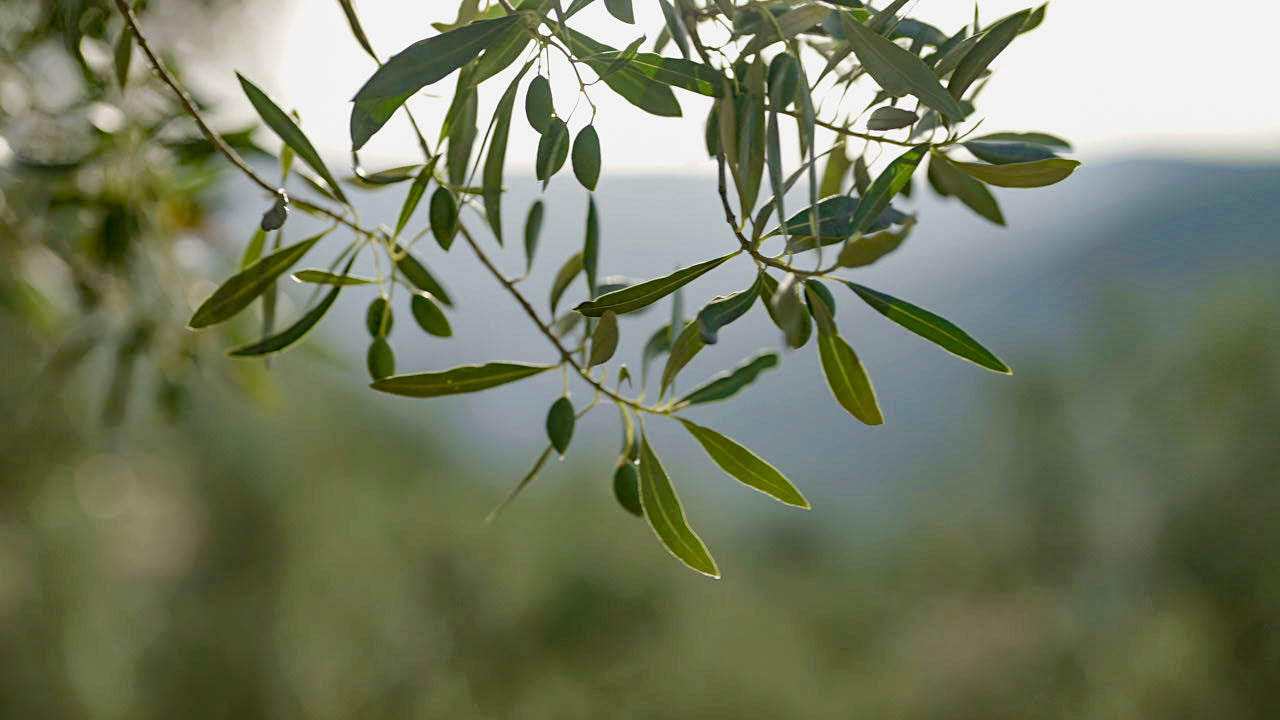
x,y
745,466
886,186
666,516
683,349
291,334
992,42
566,274
650,291
1035,138
722,311
930,327
324,277
950,181
898,71
1021,175
864,250
462,379
848,380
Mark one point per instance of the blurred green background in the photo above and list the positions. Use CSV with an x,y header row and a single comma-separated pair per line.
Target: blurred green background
x,y
185,536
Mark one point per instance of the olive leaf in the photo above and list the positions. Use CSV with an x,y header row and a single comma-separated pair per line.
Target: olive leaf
x,y
462,379
242,288
666,515
745,466
642,294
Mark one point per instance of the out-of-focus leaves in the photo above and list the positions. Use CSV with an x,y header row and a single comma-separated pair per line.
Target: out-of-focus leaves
x,y
379,319
429,316
380,359
604,340
532,230
324,277
864,250
1021,175
591,247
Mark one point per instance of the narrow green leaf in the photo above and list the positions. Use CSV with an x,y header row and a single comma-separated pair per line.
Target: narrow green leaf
x,y
444,217
538,108
786,310
553,149
657,344
745,466
1021,175
379,319
822,307
505,49
462,130
382,178
357,31
773,156
586,157
429,316
417,275
414,195
560,422
380,359
724,310
291,334
462,379
930,327
1004,152
898,71
835,222
421,64
688,75
621,9
861,176
727,384
253,251
666,516
683,349
649,291
240,289
675,27
838,164
591,247
324,277
122,58
992,42
864,250
1034,138
791,23
604,340
289,132
532,230
884,18
633,85
886,186
567,273
890,118
626,487
848,380
784,80
950,181
495,162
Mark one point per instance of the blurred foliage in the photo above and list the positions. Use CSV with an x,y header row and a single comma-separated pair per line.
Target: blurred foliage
x,y
329,562
104,193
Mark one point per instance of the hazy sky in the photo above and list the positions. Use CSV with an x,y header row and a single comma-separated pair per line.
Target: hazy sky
x,y
1117,77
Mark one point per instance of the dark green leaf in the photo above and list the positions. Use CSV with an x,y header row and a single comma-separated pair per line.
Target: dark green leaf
x,y
586,157
992,42
930,327
1004,152
414,195
604,341
381,360
621,9
553,148
567,273
885,187
949,181
683,349
835,222
658,343
884,18
1034,138
722,311
666,515
123,56
591,247
444,217
784,80
429,316
726,385
495,162
847,379
745,466
1021,175
462,379
791,23
890,118
378,319
896,70
242,288
292,334
822,307
289,132
560,422
324,277
420,64
382,178
626,487
675,27
462,130
532,229
631,84
253,251
786,310
537,104
356,30
649,291
688,75
505,49
837,167
418,277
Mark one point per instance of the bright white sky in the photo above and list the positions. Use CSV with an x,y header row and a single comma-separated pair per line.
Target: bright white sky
x,y
1117,77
